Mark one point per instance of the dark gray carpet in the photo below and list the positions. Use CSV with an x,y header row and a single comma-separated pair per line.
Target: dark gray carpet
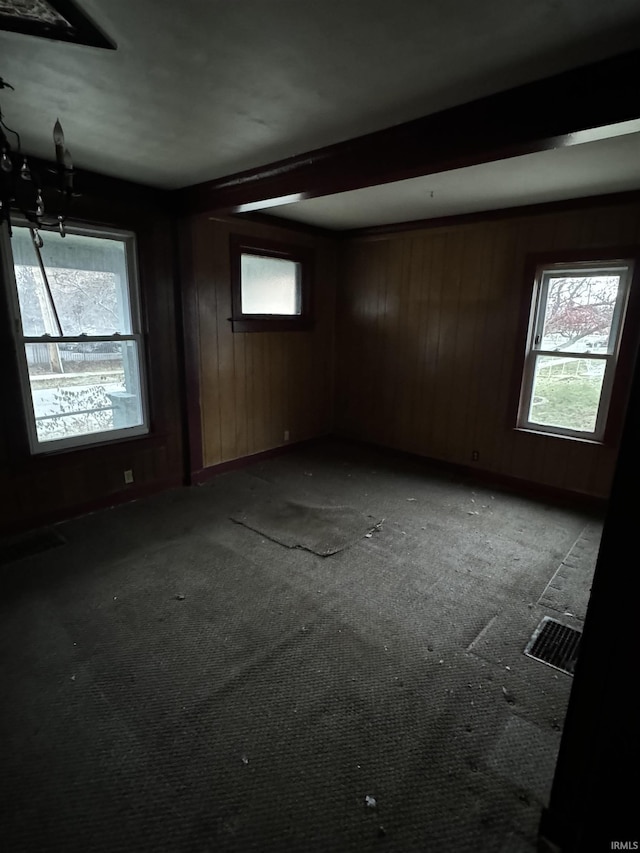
x,y
568,590
175,682
26,544
324,530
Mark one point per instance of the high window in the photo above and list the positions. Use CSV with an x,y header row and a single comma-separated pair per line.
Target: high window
x,y
270,286
575,330
76,310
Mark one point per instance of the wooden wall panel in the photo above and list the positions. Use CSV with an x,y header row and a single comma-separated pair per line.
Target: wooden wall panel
x,y
37,489
255,385
427,342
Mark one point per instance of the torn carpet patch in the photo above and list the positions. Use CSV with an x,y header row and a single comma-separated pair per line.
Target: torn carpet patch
x,y
324,530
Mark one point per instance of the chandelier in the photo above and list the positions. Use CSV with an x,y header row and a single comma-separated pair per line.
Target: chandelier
x,y
41,203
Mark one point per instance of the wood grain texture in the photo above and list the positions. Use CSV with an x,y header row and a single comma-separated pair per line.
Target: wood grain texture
x,y
427,339
254,386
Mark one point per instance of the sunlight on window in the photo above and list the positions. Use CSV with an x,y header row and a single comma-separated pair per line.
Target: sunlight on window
x,y
82,347
566,393
88,281
579,312
572,348
270,285
84,388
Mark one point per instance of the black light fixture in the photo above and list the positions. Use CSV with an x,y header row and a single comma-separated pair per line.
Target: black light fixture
x,y
22,189
61,20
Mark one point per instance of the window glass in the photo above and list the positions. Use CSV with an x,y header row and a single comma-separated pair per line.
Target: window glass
x,y
87,276
84,388
270,285
566,392
82,346
579,312
573,346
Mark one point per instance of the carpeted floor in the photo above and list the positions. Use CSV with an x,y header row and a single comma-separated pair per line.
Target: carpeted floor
x,y
324,530
174,681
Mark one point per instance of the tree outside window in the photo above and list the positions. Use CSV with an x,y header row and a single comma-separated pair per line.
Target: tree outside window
x,y
77,312
574,338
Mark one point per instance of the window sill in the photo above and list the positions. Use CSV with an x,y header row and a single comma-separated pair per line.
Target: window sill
x,y
544,434
81,454
279,324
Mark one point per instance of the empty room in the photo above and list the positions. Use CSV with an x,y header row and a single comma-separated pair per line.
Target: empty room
x,y
319,328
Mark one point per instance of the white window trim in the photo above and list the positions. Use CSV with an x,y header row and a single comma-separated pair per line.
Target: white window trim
x,y
624,268
20,339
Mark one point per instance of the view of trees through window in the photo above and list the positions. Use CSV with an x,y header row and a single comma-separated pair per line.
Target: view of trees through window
x,y
575,339
579,312
81,355
85,301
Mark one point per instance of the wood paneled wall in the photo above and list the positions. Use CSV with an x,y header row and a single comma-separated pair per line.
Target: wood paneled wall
x,y
426,324
253,386
48,487
427,327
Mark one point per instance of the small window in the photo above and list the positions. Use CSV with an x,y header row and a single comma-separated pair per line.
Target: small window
x,y
575,329
79,337
270,286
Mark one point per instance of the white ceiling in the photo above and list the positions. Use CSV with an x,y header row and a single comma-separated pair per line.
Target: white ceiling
x,y
593,168
203,88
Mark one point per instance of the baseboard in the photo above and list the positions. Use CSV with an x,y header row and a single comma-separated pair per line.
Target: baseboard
x,y
211,471
134,493
526,488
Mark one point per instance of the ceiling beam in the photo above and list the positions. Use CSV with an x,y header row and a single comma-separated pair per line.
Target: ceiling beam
x,y
574,106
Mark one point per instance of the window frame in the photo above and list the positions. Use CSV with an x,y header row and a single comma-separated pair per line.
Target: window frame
x,y
618,357
240,322
39,448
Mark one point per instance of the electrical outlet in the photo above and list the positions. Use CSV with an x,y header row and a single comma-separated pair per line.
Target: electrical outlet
x,y
286,435
128,476
475,456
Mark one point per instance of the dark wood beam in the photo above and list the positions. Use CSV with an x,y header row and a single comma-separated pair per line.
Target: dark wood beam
x,y
535,117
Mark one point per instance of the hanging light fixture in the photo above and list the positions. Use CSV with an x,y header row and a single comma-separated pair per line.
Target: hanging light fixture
x,y
20,185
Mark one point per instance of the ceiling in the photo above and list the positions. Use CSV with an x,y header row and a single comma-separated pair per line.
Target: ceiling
x,y
592,168
202,89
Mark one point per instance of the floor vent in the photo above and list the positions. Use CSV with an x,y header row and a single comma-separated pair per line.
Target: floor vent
x,y
555,644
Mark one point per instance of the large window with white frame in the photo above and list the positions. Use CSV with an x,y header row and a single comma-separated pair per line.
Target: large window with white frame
x,y
575,328
78,330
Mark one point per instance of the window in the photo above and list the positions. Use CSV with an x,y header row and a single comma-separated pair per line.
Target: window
x,y
270,286
575,330
78,334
